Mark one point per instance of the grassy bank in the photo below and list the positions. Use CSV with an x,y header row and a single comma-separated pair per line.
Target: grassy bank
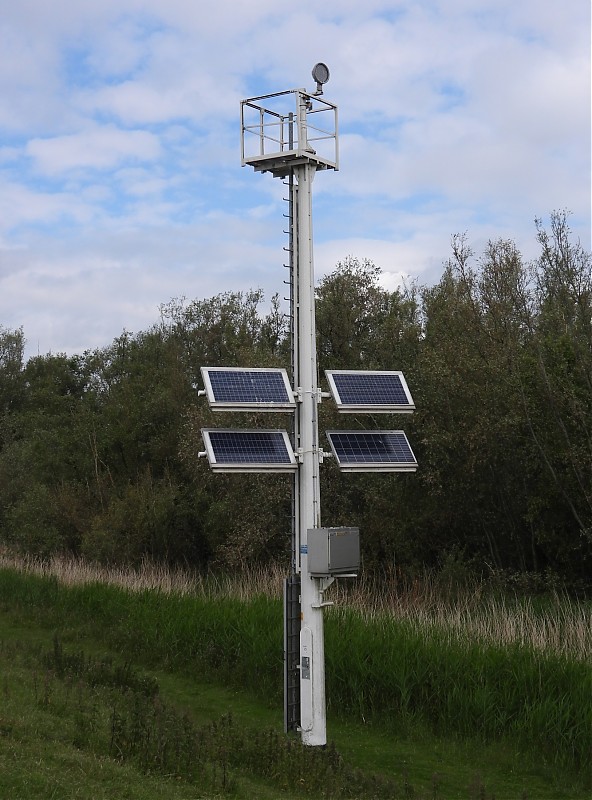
x,y
76,725
77,721
393,672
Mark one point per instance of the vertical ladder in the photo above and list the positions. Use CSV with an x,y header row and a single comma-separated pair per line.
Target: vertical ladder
x,y
290,283
292,653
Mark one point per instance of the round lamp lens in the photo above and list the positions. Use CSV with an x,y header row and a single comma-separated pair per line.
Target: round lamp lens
x,y
320,73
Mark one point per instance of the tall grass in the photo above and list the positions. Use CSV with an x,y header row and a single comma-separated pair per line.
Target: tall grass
x,y
395,672
381,666
222,637
557,624
72,571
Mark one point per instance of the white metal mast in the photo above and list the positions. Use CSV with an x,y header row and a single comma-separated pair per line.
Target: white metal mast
x,y
296,144
312,665
294,134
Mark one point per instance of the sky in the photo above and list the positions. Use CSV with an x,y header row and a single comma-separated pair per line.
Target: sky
x,y
121,185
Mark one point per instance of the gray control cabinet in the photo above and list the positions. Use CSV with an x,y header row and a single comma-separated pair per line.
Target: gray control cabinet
x,y
333,551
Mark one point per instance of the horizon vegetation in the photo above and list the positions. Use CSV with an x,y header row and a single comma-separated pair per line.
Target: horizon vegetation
x,y
98,452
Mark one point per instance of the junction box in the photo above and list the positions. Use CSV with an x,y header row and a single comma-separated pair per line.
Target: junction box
x,y
333,551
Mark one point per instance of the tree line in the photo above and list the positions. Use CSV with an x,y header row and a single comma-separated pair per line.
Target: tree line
x,y
99,451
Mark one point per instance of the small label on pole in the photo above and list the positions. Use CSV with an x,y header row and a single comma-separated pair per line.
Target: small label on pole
x,y
303,549
305,668
306,680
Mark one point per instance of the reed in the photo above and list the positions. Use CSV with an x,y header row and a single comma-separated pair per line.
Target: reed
x,y
151,576
554,624
398,672
557,624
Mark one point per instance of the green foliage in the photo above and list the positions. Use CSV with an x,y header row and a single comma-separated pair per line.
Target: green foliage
x,y
110,710
99,452
151,518
32,523
392,672
12,348
382,670
505,453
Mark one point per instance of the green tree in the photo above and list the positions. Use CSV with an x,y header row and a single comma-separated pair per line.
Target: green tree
x,y
504,411
559,405
360,325
99,452
351,308
45,456
12,346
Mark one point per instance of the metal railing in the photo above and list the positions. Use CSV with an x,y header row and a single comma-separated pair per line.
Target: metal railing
x,y
288,125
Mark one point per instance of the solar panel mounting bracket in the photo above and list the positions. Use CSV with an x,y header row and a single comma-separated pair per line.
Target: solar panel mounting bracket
x,y
323,454
324,584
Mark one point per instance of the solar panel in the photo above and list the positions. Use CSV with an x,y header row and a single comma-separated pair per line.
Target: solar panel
x,y
372,451
234,450
374,391
237,389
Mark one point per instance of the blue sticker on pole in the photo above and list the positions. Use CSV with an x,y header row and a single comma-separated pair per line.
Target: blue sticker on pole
x,y
303,549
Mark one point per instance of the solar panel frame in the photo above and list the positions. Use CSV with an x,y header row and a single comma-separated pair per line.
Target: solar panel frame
x,y
283,458
248,382
365,463
372,391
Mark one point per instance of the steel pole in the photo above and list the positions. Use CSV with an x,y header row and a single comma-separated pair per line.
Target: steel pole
x,y
313,722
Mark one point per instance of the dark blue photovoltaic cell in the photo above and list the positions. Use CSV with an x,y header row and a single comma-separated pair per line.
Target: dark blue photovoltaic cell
x,y
248,386
249,447
371,388
371,447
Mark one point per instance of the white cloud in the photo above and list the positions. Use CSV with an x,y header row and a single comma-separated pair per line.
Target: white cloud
x,y
97,148
120,179
143,182
20,206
